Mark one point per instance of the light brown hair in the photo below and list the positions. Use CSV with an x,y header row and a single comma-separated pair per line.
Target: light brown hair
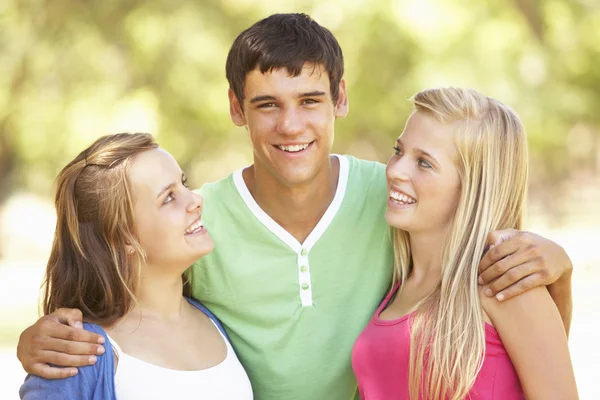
x,y
89,267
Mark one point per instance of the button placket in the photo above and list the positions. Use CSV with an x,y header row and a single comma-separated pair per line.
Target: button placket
x,y
304,282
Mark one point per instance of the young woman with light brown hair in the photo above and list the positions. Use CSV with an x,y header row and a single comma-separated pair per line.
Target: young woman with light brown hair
x,y
127,229
459,172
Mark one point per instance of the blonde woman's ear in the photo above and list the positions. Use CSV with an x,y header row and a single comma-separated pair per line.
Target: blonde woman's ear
x,y
130,249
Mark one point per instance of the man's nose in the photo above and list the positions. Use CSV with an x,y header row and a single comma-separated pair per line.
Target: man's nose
x,y
290,122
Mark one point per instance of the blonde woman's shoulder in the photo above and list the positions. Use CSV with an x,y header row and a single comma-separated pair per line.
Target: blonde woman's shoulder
x,y
534,337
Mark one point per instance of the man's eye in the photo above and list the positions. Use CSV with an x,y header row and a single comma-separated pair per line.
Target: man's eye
x,y
310,101
267,105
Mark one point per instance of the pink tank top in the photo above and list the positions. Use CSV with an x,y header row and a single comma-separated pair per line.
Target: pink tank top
x,y
381,357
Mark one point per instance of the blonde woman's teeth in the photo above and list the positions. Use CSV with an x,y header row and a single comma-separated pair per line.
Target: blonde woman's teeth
x,y
401,197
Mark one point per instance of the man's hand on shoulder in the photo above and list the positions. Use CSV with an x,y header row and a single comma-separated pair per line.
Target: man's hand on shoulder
x,y
58,340
518,261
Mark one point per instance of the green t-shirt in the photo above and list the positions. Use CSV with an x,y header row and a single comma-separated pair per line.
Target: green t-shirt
x,y
293,311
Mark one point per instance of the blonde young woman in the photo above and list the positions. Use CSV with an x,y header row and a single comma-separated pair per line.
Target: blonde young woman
x,y
459,171
127,229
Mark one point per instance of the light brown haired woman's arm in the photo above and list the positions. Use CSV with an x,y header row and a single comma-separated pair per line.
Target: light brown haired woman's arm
x,y
532,333
58,340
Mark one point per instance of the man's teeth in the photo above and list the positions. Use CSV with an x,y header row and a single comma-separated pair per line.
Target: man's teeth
x,y
196,226
401,197
293,148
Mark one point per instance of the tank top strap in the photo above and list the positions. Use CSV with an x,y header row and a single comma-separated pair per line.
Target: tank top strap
x,y
387,298
116,348
209,314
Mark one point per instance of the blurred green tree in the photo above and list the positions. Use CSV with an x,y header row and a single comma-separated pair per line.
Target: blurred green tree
x,y
71,71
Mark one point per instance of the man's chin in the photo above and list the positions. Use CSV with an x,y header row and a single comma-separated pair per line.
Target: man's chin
x,y
299,176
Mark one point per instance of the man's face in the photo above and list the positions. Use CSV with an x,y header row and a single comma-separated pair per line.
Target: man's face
x,y
290,121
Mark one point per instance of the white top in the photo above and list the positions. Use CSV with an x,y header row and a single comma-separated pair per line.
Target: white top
x,y
137,379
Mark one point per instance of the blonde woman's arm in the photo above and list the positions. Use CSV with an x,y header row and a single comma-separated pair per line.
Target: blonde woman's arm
x,y
520,261
532,333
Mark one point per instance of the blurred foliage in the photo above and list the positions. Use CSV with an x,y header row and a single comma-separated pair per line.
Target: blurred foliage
x,y
71,71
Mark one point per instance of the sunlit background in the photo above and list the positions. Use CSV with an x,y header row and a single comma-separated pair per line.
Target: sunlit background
x,y
71,71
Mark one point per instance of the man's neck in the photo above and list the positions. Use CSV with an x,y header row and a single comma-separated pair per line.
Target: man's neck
x,y
296,209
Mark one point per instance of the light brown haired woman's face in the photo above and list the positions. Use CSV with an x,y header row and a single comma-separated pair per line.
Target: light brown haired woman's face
x,y
167,214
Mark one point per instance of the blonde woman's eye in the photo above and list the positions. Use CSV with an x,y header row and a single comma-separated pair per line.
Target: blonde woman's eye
x,y
424,164
397,150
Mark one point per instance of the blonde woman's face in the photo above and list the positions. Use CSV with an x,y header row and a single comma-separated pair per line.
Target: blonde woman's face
x,y
167,213
423,182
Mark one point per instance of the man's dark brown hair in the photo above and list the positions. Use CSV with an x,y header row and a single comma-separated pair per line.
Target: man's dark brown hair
x,y
284,41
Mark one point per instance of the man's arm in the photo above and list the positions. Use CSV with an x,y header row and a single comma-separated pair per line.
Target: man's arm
x,y
58,339
520,261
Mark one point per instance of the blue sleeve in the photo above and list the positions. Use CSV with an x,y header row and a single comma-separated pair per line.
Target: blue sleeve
x,y
210,315
91,382
73,388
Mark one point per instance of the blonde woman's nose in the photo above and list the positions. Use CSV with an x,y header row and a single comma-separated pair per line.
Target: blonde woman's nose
x,y
397,170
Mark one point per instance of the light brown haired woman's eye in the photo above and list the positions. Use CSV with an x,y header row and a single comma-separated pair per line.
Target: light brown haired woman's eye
x,y
169,198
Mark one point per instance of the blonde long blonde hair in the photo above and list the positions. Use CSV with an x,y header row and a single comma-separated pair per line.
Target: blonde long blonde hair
x,y
448,329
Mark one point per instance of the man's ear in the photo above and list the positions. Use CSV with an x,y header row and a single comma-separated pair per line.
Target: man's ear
x,y
235,109
342,106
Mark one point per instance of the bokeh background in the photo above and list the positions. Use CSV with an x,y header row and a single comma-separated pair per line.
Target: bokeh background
x,y
71,71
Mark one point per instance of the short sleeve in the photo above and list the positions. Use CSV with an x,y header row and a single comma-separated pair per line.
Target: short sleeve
x,y
36,388
93,382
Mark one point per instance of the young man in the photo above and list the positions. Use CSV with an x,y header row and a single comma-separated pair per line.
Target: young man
x,y
302,255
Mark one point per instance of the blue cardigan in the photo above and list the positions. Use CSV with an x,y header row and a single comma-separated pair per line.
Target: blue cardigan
x,y
94,382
